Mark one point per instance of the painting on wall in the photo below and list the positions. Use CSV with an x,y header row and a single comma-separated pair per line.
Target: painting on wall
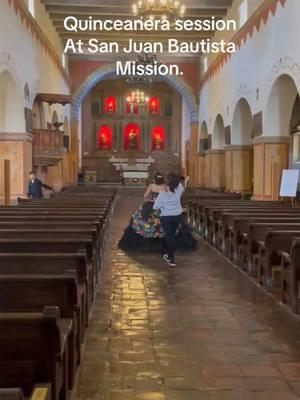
x,y
105,137
131,137
158,138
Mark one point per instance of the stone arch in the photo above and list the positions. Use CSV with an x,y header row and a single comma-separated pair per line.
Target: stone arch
x,y
11,104
109,72
218,137
242,123
203,140
279,107
204,130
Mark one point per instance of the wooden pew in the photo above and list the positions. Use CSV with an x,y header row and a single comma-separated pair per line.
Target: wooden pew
x,y
32,293
40,392
34,348
56,264
256,236
235,231
63,233
56,245
270,250
290,276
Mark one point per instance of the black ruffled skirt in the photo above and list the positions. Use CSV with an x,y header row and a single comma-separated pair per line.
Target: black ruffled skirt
x,y
131,241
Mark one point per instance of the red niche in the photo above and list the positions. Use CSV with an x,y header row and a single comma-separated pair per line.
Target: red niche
x,y
105,138
153,106
158,138
110,105
132,108
132,137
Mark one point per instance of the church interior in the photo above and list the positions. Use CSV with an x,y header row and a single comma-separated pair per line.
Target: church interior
x,y
82,318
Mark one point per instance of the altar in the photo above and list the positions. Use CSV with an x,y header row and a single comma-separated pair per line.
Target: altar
x,y
133,171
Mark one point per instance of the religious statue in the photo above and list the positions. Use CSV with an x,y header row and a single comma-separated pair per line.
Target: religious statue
x,y
110,107
132,139
157,141
103,141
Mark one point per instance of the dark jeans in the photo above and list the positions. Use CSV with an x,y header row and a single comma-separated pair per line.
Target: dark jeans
x,y
170,225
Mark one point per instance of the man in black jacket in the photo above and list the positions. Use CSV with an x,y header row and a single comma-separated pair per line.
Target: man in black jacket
x,y
35,187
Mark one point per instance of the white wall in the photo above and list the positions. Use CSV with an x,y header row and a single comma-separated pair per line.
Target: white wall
x,y
26,60
252,71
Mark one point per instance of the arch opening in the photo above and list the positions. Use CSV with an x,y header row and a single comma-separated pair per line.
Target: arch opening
x,y
11,105
109,72
279,107
218,138
203,141
242,124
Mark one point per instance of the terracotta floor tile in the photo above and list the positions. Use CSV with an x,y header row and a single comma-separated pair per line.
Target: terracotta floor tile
x,y
200,332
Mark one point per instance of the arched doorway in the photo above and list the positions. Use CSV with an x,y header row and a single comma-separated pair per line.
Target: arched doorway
x,y
11,105
279,107
242,124
239,165
218,138
177,84
215,157
271,150
203,141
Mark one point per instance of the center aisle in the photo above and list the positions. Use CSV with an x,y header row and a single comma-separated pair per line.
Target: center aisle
x,y
200,332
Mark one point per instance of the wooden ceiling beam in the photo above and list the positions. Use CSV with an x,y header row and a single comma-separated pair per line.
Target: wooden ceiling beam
x,y
119,10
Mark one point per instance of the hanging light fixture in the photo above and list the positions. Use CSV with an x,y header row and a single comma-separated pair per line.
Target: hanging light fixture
x,y
137,97
160,9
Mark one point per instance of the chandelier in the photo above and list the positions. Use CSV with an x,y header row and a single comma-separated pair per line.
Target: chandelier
x,y
142,80
162,9
137,97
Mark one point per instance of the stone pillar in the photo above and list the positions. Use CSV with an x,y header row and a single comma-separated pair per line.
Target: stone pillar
x,y
270,157
215,169
239,170
17,148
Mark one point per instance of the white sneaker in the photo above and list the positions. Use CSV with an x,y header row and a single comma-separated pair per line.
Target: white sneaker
x,y
166,258
168,261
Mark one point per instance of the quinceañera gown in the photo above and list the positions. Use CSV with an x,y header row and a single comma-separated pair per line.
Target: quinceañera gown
x,y
145,234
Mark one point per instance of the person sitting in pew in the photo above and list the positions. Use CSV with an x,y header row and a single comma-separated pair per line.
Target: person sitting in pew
x,y
35,187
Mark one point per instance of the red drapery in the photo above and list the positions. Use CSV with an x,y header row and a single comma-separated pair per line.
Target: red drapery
x,y
105,138
110,105
158,138
153,106
132,137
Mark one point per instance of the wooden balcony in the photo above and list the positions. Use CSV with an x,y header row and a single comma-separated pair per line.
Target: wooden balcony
x,y
48,147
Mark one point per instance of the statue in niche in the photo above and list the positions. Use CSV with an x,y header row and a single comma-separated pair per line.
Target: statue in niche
x,y
132,139
110,106
103,141
157,141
